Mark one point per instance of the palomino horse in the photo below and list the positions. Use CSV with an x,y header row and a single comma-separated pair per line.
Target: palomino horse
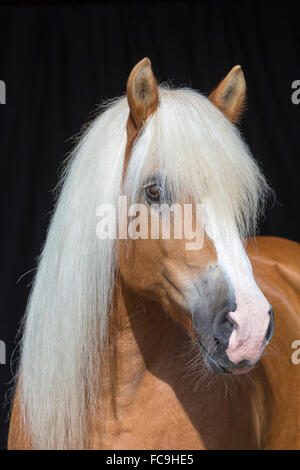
x,y
145,343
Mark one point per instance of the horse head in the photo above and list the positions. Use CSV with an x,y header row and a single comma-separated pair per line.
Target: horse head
x,y
210,289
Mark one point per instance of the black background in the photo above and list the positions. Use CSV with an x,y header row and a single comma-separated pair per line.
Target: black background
x,y
60,61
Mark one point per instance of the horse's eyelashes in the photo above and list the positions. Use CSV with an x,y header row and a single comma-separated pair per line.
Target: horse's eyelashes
x,y
154,192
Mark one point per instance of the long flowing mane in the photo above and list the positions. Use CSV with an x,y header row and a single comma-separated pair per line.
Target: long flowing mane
x,y
65,330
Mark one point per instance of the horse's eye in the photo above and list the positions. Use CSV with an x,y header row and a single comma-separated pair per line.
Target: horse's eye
x,y
153,193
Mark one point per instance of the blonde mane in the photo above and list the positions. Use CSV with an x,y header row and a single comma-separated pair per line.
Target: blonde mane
x,y
65,328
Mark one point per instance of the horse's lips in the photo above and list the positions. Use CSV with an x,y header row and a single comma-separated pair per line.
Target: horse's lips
x,y
212,362
216,367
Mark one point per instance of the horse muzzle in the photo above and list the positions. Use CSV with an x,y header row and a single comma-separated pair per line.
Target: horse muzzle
x,y
230,348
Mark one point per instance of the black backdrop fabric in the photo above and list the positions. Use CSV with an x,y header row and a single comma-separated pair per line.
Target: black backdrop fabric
x,y
59,61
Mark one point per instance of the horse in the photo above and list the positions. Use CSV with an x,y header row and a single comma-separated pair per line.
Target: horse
x,y
142,342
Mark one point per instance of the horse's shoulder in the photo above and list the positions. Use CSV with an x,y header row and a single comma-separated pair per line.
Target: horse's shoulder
x,y
276,268
274,250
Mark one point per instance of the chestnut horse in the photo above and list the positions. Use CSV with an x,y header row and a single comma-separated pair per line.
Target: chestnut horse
x,y
146,343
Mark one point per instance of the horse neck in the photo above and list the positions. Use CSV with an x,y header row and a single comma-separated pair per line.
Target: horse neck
x,y
148,347
143,339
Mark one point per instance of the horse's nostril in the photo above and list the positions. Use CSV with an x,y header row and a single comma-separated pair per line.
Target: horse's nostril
x,y
270,329
223,326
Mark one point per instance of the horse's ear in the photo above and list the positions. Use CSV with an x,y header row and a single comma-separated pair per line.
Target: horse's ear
x,y
230,95
142,93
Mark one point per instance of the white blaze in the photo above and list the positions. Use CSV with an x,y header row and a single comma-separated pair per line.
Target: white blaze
x,y
251,318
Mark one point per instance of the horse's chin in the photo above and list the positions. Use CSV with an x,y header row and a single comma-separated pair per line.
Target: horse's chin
x,y
241,370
